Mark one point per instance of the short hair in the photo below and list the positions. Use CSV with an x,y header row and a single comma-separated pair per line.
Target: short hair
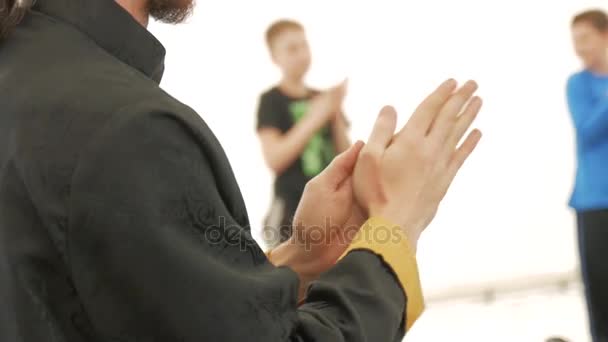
x,y
279,27
597,18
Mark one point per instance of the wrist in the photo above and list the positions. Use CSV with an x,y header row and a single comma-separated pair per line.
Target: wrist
x,y
412,236
410,230
288,254
282,255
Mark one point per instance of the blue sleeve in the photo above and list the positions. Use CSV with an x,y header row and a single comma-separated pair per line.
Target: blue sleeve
x,y
590,116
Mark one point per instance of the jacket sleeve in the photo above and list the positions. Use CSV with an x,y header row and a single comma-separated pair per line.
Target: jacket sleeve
x,y
153,255
590,116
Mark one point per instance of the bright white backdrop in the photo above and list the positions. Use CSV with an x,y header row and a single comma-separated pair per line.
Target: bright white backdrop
x,y
506,215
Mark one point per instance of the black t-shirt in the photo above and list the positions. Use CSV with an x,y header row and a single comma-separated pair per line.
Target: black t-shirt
x,y
278,110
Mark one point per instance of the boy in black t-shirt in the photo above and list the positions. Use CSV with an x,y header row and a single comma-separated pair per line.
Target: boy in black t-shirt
x,y
301,130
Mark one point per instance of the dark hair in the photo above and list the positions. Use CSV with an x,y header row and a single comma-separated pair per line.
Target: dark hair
x,y
597,18
279,27
11,13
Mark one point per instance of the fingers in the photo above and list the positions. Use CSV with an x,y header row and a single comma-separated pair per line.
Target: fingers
x,y
336,95
448,114
341,168
343,85
463,122
383,130
339,90
369,164
428,109
462,154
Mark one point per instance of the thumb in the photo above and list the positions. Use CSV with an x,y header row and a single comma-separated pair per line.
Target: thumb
x,y
345,83
342,166
344,192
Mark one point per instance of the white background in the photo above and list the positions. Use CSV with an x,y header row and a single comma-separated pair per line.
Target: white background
x,y
506,215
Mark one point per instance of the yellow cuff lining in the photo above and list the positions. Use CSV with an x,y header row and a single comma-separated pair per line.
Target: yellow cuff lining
x,y
388,241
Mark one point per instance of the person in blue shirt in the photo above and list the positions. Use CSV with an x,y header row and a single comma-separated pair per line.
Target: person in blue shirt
x,y
587,93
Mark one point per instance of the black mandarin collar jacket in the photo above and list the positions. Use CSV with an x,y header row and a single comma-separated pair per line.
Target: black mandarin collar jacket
x,y
120,216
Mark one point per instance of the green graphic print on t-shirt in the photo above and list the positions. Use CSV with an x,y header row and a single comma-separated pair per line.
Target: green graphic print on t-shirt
x,y
320,150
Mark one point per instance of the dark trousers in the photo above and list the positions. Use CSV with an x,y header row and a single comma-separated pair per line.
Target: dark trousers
x,y
593,248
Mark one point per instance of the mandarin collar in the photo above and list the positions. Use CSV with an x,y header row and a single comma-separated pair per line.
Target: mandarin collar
x,y
112,28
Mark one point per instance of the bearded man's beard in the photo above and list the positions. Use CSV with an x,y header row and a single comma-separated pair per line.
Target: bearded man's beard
x,y
171,11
